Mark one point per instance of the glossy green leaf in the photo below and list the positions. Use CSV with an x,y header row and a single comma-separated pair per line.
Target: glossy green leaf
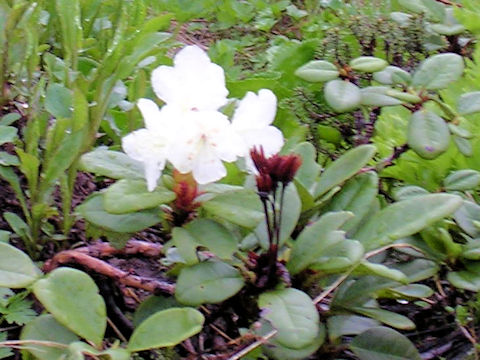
x,y
329,133
463,145
279,352
342,96
213,236
469,103
7,134
356,196
405,192
462,180
471,250
450,26
94,212
465,279
242,207
438,71
368,268
315,238
130,195
377,96
17,270
383,343
428,134
340,325
18,225
112,164
58,101
339,256
309,170
387,317
46,328
468,218
408,97
209,282
459,131
386,75
317,71
406,218
72,297
368,64
412,291
166,328
152,305
293,314
344,168
69,15
77,351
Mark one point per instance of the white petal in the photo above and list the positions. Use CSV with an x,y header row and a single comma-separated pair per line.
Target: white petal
x,y
193,83
150,113
269,138
208,168
149,148
255,111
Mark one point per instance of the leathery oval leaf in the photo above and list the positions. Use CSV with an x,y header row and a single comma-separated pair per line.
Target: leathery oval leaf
x,y
166,328
382,343
342,96
293,314
17,270
209,282
72,297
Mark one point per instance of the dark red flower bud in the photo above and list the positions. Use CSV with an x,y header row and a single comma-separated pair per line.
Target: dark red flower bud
x,y
259,160
186,190
284,168
264,183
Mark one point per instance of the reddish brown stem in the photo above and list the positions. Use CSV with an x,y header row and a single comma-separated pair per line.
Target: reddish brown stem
x,y
133,247
102,267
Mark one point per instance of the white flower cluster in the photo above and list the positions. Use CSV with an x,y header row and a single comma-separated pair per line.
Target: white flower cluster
x,y
189,131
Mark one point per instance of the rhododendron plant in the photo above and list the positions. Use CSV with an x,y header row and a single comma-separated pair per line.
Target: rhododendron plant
x,y
190,131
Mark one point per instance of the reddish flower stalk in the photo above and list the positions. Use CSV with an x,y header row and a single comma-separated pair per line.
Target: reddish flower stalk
x,y
274,173
186,189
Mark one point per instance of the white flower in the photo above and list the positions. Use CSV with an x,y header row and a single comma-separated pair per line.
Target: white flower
x,y
252,120
206,140
150,145
193,83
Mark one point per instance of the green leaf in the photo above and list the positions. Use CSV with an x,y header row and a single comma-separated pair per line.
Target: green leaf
x,y
383,343
279,352
46,328
406,218
152,305
428,134
309,170
386,76
377,96
94,212
130,195
293,314
209,282
58,101
213,236
8,134
340,325
368,268
412,291
387,317
467,217
112,164
344,168
339,256
356,196
16,268
317,71
166,328
465,279
405,192
315,238
438,71
469,103
462,180
368,64
242,207
459,131
61,159
69,15
71,296
10,118
17,224
463,145
342,96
